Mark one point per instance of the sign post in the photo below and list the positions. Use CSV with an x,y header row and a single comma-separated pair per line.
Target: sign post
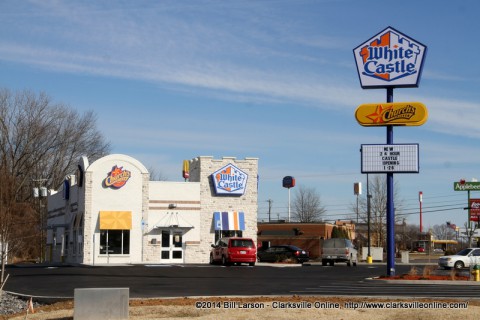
x,y
390,205
357,190
390,60
420,200
468,186
288,182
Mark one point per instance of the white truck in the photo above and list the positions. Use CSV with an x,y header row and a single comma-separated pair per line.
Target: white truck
x,y
339,250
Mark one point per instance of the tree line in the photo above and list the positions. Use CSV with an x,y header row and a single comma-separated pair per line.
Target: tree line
x,y
40,143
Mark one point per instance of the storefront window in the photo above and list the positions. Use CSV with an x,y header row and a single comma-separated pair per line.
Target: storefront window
x,y
115,241
172,244
177,240
67,245
74,242
165,239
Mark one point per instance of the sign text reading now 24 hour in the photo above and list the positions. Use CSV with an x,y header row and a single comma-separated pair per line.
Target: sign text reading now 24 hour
x,y
385,158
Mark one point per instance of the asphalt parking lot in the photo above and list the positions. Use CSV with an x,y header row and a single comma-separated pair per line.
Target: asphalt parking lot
x,y
149,281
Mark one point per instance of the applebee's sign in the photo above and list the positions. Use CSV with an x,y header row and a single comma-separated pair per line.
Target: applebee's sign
x,y
229,180
389,59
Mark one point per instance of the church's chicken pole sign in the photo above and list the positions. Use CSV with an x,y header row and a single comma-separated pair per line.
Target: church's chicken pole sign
x,y
389,59
393,113
395,158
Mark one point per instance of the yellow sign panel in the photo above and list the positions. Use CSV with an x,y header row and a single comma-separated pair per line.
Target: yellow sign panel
x,y
115,220
394,113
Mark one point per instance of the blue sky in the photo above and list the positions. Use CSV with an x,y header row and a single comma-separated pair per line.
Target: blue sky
x,y
273,79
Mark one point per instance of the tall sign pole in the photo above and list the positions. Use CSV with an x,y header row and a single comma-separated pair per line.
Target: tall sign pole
x,y
389,60
288,182
468,186
357,190
369,255
420,199
390,204
288,204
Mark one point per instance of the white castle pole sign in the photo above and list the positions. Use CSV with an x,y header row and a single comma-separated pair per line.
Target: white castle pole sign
x,y
389,59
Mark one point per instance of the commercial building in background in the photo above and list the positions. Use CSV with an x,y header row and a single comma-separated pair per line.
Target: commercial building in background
x,y
110,212
308,236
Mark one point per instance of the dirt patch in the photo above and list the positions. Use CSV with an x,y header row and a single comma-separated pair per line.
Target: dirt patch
x,y
428,273
274,308
432,277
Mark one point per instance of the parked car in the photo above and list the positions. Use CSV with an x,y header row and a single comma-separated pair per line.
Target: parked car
x,y
463,259
234,250
339,250
282,253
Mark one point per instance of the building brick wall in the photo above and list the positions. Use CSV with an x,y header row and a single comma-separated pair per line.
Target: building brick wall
x,y
201,169
144,198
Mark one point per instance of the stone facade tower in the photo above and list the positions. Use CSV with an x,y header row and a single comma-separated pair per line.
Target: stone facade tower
x,y
238,192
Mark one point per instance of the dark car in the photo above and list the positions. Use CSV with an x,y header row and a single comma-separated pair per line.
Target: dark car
x,y
283,253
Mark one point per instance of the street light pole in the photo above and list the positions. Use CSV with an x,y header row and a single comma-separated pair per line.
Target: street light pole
x,y
39,193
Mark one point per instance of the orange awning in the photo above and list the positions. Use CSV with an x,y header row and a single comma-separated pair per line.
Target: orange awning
x,y
115,220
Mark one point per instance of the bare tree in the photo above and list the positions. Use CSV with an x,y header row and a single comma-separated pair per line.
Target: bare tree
x,y
40,142
156,175
406,235
14,217
307,206
443,232
378,207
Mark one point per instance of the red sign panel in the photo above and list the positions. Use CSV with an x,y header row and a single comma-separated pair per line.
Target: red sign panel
x,y
474,206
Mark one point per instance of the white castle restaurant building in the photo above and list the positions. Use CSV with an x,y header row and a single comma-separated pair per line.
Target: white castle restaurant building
x,y
110,212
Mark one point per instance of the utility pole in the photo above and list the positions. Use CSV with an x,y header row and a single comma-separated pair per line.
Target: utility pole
x,y
269,208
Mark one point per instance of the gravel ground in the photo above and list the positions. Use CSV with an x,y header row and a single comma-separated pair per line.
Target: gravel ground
x,y
215,308
10,304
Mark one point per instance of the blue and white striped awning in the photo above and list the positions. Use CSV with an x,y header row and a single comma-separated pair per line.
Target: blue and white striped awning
x,y
232,220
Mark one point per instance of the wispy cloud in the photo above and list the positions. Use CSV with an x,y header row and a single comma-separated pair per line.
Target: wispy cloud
x,y
436,75
172,44
453,117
